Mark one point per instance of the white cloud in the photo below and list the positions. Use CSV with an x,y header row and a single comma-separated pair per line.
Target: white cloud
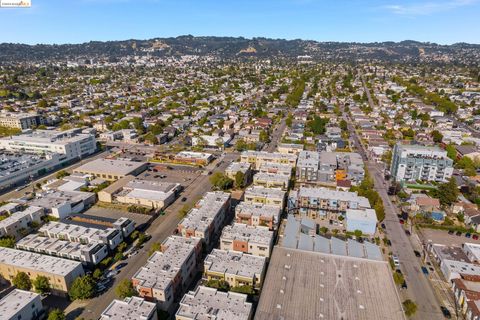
x,y
426,8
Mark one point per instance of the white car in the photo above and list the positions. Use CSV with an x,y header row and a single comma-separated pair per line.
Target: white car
x,y
396,262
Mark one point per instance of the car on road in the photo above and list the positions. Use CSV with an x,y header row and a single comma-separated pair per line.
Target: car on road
x,y
119,266
425,270
404,285
112,273
389,243
459,233
407,232
384,226
446,313
396,261
468,235
184,199
402,221
475,237
398,271
450,232
417,254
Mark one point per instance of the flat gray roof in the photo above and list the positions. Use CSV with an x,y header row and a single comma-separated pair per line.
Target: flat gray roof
x,y
109,166
311,285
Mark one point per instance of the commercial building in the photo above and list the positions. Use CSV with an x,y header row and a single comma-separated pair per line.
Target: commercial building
x,y
60,272
240,237
271,180
301,233
18,167
111,170
312,285
19,220
20,304
414,162
168,272
236,268
325,203
257,158
129,309
20,121
207,218
150,194
307,167
111,237
364,220
196,158
261,195
281,169
61,204
70,144
87,253
257,215
209,303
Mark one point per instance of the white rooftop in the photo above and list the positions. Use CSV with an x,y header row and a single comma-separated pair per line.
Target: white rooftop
x,y
15,301
133,308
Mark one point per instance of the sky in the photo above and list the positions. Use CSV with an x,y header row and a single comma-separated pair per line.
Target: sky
x,y
77,21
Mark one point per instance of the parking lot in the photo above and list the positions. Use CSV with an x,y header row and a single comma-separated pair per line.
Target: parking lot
x,y
442,237
183,175
140,219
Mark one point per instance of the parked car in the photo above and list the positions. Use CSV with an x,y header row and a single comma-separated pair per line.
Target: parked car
x,y
119,266
184,199
450,231
396,262
459,233
404,285
425,271
389,243
402,221
383,226
407,232
446,312
475,237
417,254
468,235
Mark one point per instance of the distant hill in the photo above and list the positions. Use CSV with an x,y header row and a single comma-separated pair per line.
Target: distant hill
x,y
238,48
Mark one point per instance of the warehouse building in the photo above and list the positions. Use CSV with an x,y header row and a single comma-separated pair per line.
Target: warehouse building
x,y
110,169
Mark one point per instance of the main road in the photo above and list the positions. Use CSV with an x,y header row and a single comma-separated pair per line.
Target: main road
x,y
419,287
160,229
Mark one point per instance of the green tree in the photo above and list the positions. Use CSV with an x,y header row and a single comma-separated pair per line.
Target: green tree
x,y
22,281
239,179
155,247
317,125
409,307
323,230
357,233
436,136
97,274
7,242
56,314
221,181
343,125
398,278
447,192
41,284
125,289
264,136
289,120
82,288
240,145
221,285
451,152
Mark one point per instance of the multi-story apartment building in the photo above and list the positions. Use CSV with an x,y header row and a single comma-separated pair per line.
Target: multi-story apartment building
x,y
257,158
261,195
325,203
111,237
414,162
70,144
168,272
281,169
205,302
207,218
130,308
254,214
60,272
271,180
242,167
20,121
290,148
240,237
20,304
307,166
236,268
20,220
88,253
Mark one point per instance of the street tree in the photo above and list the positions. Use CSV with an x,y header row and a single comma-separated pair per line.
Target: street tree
x,y
22,281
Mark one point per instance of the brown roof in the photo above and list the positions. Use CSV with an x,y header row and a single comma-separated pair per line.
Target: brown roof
x,y
427,201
